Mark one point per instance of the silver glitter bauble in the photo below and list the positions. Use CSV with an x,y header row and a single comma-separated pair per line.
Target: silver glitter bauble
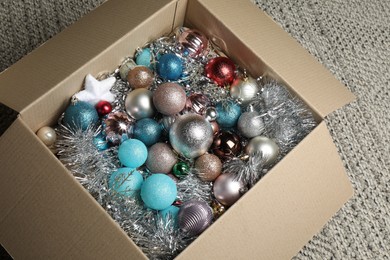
x,y
245,90
267,147
161,158
228,189
194,217
139,104
191,135
250,124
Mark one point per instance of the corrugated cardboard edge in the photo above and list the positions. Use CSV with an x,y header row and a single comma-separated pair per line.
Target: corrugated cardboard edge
x,y
281,56
56,69
45,213
278,216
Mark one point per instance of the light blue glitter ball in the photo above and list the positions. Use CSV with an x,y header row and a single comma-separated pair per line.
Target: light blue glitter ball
x,y
80,115
171,211
170,66
228,113
126,181
158,191
100,142
144,58
148,131
132,153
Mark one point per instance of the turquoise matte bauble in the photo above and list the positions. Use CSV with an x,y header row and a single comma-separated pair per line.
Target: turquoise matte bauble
x,y
158,191
132,153
144,58
148,131
228,113
80,115
126,181
170,66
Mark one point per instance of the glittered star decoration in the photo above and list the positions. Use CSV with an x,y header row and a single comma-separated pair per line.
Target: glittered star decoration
x,y
95,91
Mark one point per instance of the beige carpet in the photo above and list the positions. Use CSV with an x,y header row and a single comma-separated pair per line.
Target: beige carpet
x,y
352,39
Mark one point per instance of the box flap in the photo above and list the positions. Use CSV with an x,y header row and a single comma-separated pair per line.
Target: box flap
x,y
278,216
43,206
79,50
251,29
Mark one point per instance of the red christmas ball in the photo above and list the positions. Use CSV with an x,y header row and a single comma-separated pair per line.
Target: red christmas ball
x,y
103,108
220,70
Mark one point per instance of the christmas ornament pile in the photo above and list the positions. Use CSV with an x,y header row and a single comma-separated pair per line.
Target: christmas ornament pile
x,y
172,138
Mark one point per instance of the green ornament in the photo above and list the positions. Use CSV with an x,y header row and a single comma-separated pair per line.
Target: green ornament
x,y
181,169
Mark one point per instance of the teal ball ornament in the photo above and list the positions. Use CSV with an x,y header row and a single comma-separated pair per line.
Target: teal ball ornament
x,y
80,115
144,58
148,131
170,214
228,113
158,191
132,153
100,142
126,182
170,66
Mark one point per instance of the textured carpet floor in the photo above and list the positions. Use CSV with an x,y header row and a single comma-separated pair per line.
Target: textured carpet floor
x,y
352,39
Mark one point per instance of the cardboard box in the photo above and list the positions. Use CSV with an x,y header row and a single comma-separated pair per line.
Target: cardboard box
x,y
46,213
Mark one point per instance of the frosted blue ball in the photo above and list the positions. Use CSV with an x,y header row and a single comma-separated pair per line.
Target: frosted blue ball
x,y
100,142
80,115
158,191
132,153
171,211
147,130
126,181
144,58
228,113
170,66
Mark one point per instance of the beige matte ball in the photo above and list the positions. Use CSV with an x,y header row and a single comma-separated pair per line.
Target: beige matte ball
x,y
47,135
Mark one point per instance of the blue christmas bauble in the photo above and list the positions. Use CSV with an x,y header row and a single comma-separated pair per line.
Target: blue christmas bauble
x,y
144,58
132,153
148,131
170,213
170,66
100,142
158,191
228,113
80,115
126,181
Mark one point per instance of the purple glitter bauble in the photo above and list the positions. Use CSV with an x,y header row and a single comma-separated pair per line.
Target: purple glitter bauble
x,y
195,216
118,127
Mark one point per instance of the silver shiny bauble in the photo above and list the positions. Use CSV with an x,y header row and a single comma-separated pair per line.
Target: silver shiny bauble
x,y
267,147
194,217
228,189
211,113
250,124
245,90
191,135
139,104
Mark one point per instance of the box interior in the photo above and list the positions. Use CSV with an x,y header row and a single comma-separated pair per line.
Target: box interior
x,y
296,201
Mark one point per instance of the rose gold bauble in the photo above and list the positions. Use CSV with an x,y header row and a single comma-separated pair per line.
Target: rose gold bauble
x,y
140,77
193,41
169,98
209,167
